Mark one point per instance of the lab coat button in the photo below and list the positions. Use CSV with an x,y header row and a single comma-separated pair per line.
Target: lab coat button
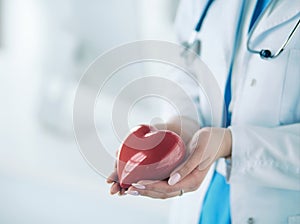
x,y
253,82
250,220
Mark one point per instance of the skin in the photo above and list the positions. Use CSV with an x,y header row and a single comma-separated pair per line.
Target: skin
x,y
204,146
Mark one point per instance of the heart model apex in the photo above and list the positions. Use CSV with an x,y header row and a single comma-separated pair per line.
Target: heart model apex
x,y
149,154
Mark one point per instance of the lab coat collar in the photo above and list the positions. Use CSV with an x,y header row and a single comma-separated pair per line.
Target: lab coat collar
x,y
278,12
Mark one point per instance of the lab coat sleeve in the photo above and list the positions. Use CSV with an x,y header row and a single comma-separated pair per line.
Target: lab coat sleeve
x,y
266,156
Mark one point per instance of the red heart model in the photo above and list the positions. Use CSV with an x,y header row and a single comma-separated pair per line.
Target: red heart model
x,y
149,154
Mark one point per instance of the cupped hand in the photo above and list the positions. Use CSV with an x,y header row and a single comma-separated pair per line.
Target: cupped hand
x,y
206,146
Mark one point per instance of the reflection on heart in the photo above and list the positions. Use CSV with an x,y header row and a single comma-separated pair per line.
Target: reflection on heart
x,y
149,154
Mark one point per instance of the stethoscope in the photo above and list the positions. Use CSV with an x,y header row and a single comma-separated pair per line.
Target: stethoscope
x,y
195,44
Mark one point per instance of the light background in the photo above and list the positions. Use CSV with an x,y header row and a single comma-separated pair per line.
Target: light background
x,y
45,47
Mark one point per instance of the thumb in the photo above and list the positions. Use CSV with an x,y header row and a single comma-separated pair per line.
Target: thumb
x,y
205,145
186,168
192,161
208,144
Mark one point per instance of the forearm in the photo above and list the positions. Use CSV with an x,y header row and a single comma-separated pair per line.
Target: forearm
x,y
269,156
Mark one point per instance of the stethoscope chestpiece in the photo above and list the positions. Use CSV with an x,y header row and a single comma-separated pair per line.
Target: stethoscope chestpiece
x,y
265,54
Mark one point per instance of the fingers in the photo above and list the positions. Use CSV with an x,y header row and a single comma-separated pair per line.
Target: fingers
x,y
162,190
197,147
153,194
112,178
115,188
122,192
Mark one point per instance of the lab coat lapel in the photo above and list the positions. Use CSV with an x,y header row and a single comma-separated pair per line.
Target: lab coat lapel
x,y
278,12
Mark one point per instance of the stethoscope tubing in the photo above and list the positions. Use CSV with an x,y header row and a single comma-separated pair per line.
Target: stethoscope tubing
x,y
264,53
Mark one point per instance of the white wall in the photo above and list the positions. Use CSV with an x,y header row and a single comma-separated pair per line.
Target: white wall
x,y
45,47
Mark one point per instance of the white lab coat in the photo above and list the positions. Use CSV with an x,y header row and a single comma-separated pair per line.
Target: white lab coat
x,y
265,174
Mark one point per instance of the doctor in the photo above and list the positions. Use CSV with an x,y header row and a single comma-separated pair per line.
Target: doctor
x,y
262,136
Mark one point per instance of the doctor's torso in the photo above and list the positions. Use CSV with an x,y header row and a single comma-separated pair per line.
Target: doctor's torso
x,y
257,84
265,93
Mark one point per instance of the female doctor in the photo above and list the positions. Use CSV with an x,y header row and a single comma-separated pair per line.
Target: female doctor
x,y
260,79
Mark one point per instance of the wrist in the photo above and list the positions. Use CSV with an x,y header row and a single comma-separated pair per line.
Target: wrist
x,y
226,144
217,140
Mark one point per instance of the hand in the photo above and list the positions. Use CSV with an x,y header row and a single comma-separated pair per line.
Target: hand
x,y
177,125
206,146
114,180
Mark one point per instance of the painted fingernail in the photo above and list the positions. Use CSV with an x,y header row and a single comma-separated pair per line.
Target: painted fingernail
x,y
174,179
134,193
146,182
138,186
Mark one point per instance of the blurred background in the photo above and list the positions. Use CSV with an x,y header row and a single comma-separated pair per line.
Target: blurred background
x,y
45,46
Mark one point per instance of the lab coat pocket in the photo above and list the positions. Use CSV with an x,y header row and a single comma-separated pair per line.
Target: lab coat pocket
x,y
290,99
294,219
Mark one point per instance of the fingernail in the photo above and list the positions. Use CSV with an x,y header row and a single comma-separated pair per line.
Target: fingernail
x,y
134,193
146,182
174,179
138,186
